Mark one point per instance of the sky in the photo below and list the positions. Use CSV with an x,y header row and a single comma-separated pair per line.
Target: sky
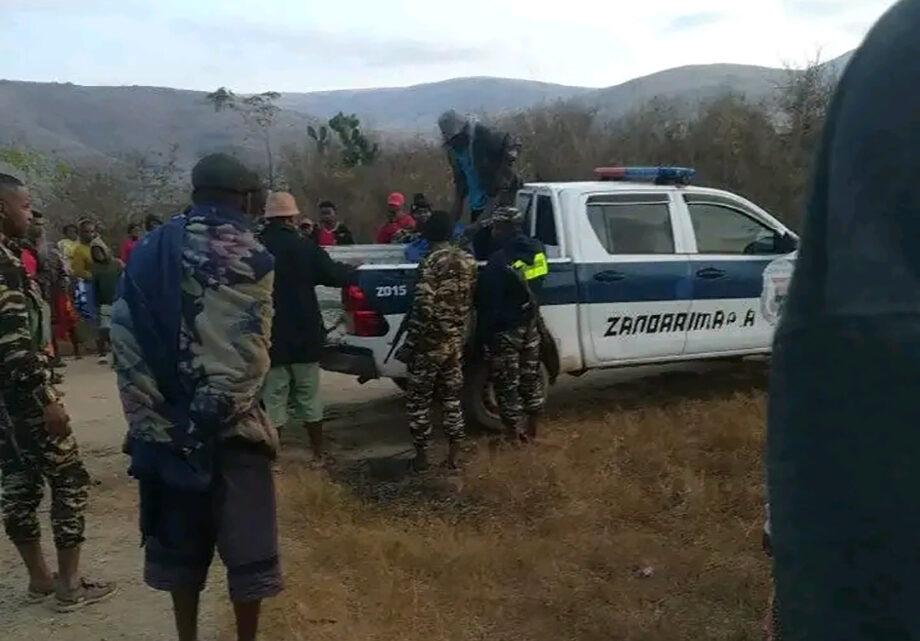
x,y
309,45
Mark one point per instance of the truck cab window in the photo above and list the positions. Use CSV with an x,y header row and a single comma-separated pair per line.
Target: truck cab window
x,y
721,229
544,228
632,228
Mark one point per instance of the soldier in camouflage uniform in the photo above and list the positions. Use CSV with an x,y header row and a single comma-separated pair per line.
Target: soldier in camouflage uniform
x,y
36,444
436,337
508,322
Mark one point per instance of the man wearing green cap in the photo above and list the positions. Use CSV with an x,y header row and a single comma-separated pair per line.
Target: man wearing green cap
x,y
191,334
508,322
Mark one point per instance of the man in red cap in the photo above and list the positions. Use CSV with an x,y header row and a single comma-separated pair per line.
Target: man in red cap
x,y
396,219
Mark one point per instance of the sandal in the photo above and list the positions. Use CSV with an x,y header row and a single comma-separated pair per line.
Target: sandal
x,y
87,593
38,596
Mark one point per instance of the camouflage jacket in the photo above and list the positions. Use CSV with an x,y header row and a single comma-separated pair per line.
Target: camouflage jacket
x,y
224,334
25,374
443,298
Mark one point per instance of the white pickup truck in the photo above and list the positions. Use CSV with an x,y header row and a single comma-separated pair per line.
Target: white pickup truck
x,y
644,269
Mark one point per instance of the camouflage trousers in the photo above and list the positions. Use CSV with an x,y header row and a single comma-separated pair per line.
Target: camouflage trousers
x,y
515,365
434,374
30,457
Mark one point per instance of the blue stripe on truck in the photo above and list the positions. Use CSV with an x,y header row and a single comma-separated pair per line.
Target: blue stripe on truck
x,y
390,291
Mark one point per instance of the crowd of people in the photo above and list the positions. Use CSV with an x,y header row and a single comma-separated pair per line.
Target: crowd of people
x,y
216,334
77,278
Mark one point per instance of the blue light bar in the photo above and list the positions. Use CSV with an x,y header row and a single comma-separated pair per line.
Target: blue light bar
x,y
657,175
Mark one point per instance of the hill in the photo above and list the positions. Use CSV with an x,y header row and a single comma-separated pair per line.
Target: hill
x,y
689,84
418,107
103,124
106,123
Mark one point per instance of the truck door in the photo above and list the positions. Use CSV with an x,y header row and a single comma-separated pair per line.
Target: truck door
x,y
734,244
633,284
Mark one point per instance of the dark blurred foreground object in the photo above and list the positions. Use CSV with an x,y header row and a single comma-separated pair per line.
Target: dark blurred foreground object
x,y
844,439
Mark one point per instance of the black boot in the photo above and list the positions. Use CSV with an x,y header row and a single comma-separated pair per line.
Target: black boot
x,y
420,462
454,449
533,423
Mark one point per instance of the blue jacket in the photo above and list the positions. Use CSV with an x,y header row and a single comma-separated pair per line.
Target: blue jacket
x,y
417,249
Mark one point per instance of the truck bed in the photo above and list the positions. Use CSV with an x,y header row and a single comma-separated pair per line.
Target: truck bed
x,y
330,298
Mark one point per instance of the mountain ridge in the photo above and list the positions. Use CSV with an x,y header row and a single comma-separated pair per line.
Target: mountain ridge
x,y
106,123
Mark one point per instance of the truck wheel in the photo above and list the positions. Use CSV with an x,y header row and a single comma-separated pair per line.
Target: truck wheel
x,y
479,406
401,383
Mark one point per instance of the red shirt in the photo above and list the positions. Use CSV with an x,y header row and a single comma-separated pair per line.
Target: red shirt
x,y
29,263
401,221
127,246
324,237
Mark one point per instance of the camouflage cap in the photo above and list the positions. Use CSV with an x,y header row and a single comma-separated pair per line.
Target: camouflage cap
x,y
510,215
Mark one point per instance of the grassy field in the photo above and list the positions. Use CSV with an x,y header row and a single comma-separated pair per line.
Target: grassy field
x,y
554,541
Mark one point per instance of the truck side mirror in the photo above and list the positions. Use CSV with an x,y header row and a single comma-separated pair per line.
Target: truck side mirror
x,y
786,243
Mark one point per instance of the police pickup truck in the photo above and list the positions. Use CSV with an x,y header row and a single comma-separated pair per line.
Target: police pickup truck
x,y
644,269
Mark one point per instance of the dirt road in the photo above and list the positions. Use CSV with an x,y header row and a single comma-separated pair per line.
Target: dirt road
x,y
365,424
112,550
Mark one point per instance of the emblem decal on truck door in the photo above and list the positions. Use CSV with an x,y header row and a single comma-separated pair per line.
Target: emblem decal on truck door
x,y
669,323
776,279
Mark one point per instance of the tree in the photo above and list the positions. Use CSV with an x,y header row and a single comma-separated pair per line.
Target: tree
x,y
357,149
803,102
258,112
320,138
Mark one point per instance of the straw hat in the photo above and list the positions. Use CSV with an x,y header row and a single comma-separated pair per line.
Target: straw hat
x,y
281,204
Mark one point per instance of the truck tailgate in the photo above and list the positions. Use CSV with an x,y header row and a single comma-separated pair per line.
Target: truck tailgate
x,y
368,258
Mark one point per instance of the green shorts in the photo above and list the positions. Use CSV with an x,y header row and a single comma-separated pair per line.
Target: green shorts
x,y
294,387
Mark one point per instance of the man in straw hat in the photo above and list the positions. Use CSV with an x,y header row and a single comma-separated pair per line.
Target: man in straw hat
x,y
298,334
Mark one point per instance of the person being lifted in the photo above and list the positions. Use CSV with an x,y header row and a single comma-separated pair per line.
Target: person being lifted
x,y
482,161
436,336
509,324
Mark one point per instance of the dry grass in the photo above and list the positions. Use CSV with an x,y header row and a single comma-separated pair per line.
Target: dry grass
x,y
544,542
